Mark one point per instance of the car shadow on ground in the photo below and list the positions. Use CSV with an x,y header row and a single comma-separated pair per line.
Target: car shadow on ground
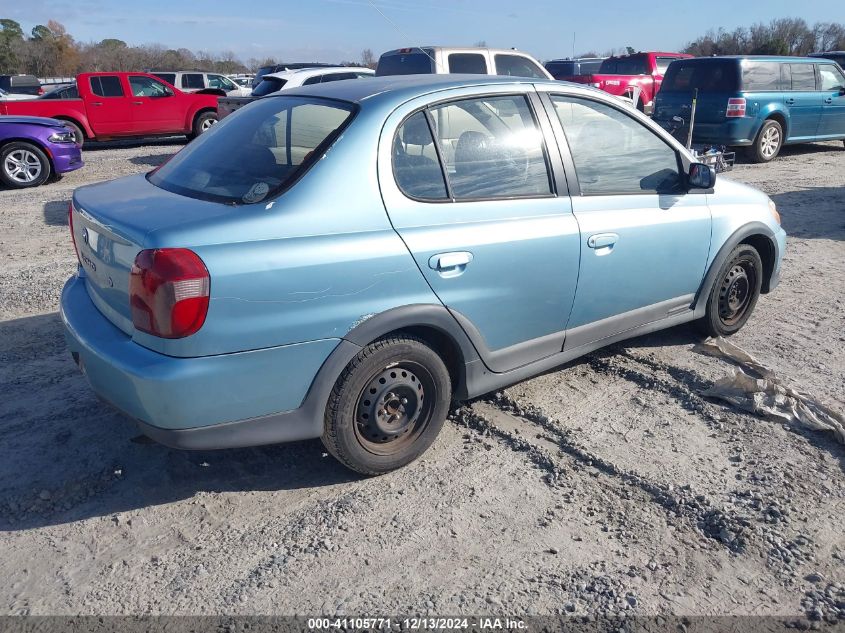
x,y
65,456
152,160
132,143
812,212
800,149
55,213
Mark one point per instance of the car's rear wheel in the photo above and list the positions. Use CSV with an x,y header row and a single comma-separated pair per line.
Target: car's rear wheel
x,y
23,165
387,406
768,143
734,293
202,124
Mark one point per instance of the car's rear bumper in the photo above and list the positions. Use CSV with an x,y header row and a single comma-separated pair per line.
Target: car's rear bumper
x,y
242,399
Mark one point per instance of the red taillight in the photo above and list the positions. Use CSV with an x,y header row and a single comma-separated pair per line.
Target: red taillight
x,y
168,292
736,107
70,225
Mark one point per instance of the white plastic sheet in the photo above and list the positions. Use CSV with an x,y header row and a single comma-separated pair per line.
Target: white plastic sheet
x,y
754,387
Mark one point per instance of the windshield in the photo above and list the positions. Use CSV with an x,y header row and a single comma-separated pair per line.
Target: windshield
x,y
411,63
256,152
704,75
633,65
268,85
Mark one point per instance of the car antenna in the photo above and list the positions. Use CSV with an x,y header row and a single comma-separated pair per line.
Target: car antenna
x,y
401,32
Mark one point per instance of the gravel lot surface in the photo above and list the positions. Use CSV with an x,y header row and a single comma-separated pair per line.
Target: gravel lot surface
x,y
607,486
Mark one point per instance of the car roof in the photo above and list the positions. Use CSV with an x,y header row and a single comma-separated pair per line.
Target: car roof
x,y
406,49
404,87
763,58
312,72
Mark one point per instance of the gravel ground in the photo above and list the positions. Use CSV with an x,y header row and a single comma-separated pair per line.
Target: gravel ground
x,y
608,486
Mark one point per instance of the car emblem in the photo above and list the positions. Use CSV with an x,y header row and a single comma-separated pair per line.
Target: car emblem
x,y
85,235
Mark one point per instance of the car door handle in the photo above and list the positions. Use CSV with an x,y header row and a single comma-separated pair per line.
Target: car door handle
x,y
138,103
790,102
602,240
450,263
97,103
829,100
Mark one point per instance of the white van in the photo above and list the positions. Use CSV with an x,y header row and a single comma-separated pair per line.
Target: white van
x,y
442,60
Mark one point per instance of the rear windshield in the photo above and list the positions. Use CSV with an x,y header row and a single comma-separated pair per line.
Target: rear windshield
x,y
634,65
706,76
268,85
413,63
562,69
256,152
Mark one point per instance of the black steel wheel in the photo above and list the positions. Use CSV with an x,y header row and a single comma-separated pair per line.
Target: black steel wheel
x,y
387,406
735,292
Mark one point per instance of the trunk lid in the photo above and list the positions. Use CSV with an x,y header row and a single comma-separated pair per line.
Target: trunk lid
x,y
112,222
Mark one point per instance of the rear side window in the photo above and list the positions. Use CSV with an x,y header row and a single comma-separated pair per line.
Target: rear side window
x,y
517,66
801,77
415,163
633,65
191,81
831,76
416,62
313,80
256,153
705,76
471,63
614,153
491,148
761,76
268,85
338,77
106,86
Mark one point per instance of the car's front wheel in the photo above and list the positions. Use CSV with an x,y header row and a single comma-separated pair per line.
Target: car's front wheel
x,y
768,143
387,406
23,165
734,293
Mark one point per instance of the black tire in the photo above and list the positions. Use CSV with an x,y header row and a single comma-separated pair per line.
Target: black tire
x,y
202,123
23,165
734,293
768,143
78,134
387,406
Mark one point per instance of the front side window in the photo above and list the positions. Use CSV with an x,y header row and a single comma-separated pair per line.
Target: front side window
x,y
256,153
832,78
491,148
220,82
803,77
192,81
147,87
467,63
106,86
415,163
614,153
517,66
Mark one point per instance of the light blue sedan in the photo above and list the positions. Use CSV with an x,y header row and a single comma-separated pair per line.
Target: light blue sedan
x,y
344,260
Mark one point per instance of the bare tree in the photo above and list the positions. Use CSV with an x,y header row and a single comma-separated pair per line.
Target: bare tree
x,y
368,60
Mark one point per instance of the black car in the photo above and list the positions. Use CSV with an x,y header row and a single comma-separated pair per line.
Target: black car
x,y
21,84
837,56
277,68
566,68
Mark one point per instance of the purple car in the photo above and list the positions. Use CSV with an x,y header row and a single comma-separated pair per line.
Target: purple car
x,y
35,149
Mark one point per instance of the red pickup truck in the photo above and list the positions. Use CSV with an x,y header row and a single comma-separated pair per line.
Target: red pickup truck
x,y
120,105
621,76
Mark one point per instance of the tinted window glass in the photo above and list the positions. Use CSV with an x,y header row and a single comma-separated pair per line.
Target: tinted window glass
x,y
663,63
147,87
832,78
415,163
761,76
69,92
562,69
517,66
338,77
413,63
313,80
106,86
191,81
268,85
491,148
254,155
705,75
471,63
633,65
168,77
614,153
803,77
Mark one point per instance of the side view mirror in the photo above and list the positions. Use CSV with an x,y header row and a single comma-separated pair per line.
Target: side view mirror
x,y
842,91
701,176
